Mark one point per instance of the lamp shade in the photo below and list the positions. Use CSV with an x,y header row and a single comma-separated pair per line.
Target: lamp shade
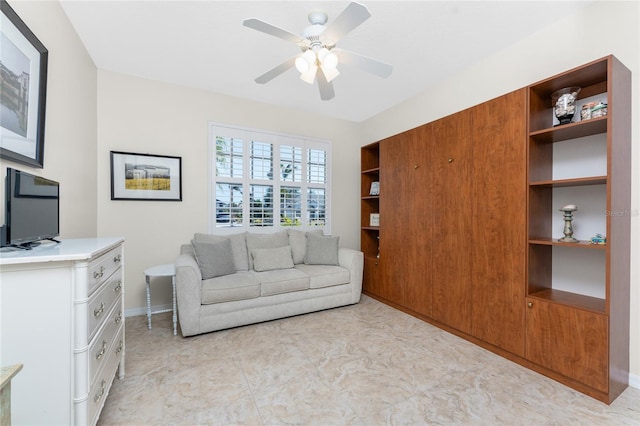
x,y
305,61
328,59
309,76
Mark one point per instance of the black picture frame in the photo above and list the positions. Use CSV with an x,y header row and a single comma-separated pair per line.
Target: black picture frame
x,y
23,63
145,177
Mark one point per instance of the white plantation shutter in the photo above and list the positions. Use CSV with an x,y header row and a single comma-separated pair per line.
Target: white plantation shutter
x,y
267,180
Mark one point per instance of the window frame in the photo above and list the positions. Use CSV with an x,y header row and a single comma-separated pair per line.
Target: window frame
x,y
277,140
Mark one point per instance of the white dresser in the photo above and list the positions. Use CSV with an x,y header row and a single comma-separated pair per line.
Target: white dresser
x,y
62,317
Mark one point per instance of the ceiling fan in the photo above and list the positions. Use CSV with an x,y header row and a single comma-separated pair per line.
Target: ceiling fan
x,y
320,57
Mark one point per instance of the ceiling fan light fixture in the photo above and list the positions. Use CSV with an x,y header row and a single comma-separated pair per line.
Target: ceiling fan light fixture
x,y
305,61
310,75
328,59
330,73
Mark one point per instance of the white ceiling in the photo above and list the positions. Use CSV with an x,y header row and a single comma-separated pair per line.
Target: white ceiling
x,y
203,44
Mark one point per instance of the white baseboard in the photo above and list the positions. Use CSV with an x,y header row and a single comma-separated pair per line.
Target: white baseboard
x,y
134,312
634,381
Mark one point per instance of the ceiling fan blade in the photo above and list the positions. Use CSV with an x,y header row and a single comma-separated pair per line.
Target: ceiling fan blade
x,y
352,16
367,64
264,27
326,87
273,73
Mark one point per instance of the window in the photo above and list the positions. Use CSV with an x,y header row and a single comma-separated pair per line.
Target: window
x,y
267,180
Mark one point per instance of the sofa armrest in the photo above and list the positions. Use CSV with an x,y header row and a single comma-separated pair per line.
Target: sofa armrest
x,y
188,293
353,260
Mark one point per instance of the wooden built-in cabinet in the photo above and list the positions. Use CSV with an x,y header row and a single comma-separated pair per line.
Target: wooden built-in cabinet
x,y
578,293
469,228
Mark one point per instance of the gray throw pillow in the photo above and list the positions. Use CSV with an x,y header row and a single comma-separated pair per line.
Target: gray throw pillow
x,y
321,250
298,243
262,241
238,247
214,258
272,258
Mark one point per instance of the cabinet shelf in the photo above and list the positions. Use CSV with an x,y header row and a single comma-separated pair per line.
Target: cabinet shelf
x,y
555,242
570,131
576,300
371,197
584,181
374,170
370,228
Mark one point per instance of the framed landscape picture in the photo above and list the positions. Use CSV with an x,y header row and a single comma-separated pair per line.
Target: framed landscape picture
x,y
23,65
145,177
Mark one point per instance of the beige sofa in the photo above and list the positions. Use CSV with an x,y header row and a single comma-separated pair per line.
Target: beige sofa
x,y
234,280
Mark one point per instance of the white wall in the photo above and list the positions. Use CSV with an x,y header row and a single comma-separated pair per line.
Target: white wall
x,y
70,123
144,116
603,28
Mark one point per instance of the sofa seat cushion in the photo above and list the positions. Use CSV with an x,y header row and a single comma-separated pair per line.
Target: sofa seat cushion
x,y
325,275
282,281
239,286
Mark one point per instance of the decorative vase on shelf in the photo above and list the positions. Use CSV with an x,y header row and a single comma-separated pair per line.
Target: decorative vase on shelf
x,y
564,103
568,228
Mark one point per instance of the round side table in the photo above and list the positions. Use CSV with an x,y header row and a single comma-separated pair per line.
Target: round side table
x,y
168,270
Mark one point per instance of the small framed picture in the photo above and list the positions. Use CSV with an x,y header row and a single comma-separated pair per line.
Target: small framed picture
x,y
145,177
374,219
375,188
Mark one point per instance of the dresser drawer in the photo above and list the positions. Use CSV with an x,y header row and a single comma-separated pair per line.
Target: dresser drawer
x,y
102,300
102,383
103,340
102,267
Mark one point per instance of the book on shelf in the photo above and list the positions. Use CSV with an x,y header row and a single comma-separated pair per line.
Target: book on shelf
x,y
375,188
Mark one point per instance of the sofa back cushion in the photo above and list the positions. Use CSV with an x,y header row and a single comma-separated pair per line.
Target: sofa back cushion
x,y
298,243
214,258
238,247
321,250
270,259
263,241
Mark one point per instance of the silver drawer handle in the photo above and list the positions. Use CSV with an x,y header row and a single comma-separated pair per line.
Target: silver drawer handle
x,y
99,395
120,347
102,351
118,287
99,311
118,318
117,258
97,274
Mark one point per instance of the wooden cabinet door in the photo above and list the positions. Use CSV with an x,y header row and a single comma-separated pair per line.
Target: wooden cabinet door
x,y
499,221
450,142
570,341
404,211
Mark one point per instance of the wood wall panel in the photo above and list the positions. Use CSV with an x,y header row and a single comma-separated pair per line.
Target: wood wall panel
x,y
450,142
499,221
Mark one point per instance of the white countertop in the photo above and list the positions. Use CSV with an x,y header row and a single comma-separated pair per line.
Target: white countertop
x,y
49,251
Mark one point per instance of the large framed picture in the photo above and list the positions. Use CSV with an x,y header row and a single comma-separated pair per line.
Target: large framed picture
x,y
145,177
23,66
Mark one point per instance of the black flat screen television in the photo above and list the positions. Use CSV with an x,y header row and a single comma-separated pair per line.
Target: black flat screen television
x,y
32,209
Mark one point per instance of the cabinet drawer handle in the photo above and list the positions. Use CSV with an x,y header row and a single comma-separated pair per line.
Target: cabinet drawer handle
x,y
530,304
118,318
99,311
117,258
118,287
97,274
99,395
102,351
120,347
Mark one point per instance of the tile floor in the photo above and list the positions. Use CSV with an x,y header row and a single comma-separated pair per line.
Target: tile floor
x,y
366,364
